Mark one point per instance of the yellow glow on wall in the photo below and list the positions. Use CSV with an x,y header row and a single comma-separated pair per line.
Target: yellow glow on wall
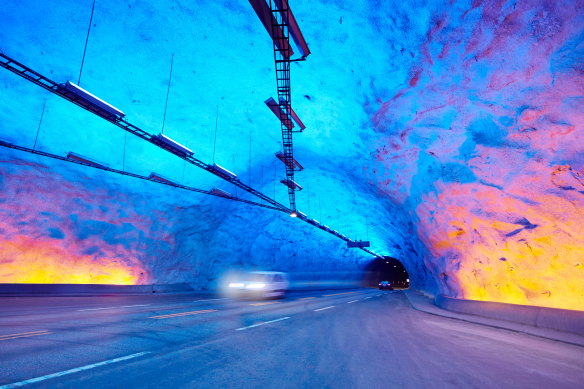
x,y
24,260
496,247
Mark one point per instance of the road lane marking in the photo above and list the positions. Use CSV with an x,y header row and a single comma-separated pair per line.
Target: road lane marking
x,y
259,304
307,298
322,309
24,335
259,324
196,301
123,306
354,301
337,294
71,371
182,314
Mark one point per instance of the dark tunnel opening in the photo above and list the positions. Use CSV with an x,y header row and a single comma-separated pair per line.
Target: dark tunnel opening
x,y
386,269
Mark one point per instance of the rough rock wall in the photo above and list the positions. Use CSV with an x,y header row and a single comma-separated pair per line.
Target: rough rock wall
x,y
484,143
64,223
447,134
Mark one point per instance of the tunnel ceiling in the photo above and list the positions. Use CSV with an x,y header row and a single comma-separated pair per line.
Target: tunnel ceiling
x,y
448,136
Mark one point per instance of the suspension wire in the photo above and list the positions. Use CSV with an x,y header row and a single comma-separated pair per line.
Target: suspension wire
x,y
234,170
124,157
215,140
145,178
184,167
308,187
367,226
262,182
347,222
86,40
275,179
167,92
249,161
40,122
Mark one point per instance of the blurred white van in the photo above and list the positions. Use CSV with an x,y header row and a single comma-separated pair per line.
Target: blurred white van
x,y
261,284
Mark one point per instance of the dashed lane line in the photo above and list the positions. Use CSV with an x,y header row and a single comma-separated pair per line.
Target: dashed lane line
x,y
261,324
260,304
307,298
338,294
322,309
197,301
353,301
24,335
180,314
71,371
123,306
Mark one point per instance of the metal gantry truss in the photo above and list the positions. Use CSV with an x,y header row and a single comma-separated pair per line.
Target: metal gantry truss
x,y
282,59
57,89
37,78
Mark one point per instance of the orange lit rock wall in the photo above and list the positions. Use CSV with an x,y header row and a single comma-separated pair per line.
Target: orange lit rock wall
x,y
485,143
64,223
56,230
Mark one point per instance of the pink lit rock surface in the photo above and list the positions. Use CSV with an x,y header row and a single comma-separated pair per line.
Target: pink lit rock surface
x,y
449,135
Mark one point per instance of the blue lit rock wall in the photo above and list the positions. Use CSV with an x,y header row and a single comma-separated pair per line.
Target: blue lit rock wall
x,y
449,135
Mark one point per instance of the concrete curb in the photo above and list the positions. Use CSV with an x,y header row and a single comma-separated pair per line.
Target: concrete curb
x,y
426,304
540,317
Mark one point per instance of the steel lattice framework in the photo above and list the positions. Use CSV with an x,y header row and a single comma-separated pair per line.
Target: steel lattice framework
x,y
58,89
282,54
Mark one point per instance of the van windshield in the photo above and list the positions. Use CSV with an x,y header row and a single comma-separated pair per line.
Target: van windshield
x,y
254,277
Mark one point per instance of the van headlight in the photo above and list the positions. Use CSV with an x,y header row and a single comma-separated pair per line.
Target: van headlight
x,y
256,285
236,285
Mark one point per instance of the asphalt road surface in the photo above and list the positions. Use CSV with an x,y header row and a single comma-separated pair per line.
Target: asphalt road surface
x,y
328,339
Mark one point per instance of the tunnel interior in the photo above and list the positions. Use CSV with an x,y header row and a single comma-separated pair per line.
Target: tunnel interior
x,y
447,137
387,269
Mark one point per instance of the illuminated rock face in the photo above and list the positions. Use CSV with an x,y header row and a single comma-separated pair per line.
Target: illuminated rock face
x,y
487,138
449,136
62,223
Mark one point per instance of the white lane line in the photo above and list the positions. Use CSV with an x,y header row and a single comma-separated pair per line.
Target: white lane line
x,y
180,314
367,298
259,324
123,306
23,335
196,301
354,301
66,372
322,309
338,294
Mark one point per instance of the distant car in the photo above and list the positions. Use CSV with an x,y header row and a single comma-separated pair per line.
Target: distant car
x,y
259,284
385,285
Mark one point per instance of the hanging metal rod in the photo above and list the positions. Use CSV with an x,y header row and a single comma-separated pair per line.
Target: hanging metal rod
x,y
58,89
152,177
53,87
